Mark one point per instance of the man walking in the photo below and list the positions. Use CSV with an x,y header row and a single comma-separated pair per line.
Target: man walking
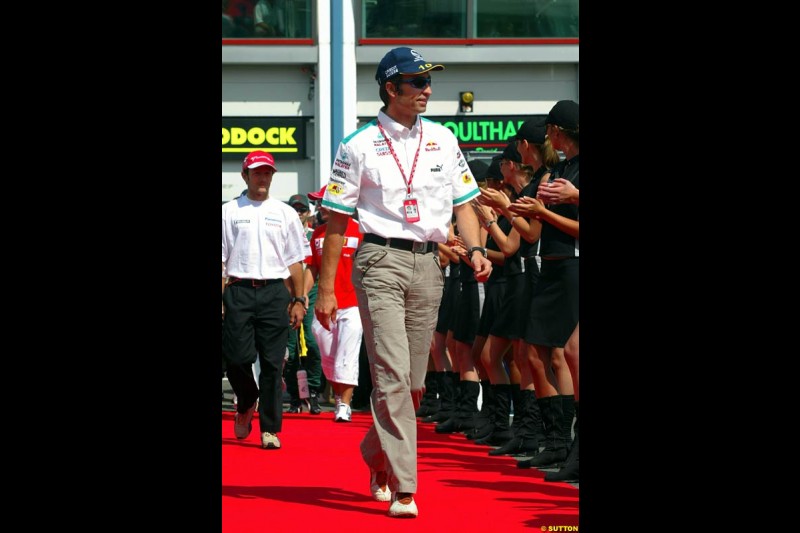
x,y
263,244
406,176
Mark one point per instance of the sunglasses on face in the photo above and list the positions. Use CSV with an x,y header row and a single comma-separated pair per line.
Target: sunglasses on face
x,y
420,82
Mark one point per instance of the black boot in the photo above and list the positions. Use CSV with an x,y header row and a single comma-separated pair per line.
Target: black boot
x,y
448,395
313,400
525,441
517,407
536,418
295,406
569,471
557,413
484,420
430,400
463,418
501,433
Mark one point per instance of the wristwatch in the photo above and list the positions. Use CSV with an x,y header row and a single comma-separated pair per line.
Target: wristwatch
x,y
301,299
480,249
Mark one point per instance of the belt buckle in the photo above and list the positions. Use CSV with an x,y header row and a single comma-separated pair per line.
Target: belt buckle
x,y
419,247
259,282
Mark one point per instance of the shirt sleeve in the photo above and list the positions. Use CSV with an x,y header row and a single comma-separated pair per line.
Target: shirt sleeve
x,y
224,239
465,188
344,183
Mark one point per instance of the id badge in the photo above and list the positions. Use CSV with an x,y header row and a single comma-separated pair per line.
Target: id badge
x,y
411,209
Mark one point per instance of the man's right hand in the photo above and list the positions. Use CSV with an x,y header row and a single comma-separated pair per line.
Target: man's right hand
x,y
482,266
325,308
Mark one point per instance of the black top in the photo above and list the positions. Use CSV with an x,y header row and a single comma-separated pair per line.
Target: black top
x,y
556,243
498,271
527,249
513,264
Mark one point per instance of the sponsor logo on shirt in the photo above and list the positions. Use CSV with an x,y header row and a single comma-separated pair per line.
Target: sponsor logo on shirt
x,y
273,222
342,164
337,172
382,150
462,163
238,221
335,189
432,147
466,178
437,168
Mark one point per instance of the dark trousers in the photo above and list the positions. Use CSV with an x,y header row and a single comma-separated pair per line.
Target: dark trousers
x,y
256,322
312,362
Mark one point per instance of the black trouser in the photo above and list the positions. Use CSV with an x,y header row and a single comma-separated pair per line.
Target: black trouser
x,y
256,321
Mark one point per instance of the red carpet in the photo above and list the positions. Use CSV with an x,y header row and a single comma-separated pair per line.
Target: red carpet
x,y
317,481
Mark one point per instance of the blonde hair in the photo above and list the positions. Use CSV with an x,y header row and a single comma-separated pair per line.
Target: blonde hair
x,y
549,155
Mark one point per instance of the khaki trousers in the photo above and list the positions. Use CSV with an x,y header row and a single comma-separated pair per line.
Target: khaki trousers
x,y
399,293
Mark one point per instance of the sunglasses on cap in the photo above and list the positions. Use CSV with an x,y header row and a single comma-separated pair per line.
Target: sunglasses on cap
x,y
420,82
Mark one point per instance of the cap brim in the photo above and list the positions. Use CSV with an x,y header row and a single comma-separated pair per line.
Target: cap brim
x,y
434,67
317,195
261,164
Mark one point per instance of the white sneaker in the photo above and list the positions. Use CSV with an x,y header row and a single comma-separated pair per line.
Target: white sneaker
x,y
378,494
243,423
399,509
343,413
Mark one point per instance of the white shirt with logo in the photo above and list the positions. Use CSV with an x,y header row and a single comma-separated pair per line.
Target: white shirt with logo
x,y
365,176
261,239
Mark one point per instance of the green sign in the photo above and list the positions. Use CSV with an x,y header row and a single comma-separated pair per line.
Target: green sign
x,y
477,133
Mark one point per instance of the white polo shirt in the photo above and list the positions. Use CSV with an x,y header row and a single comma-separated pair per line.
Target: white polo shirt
x,y
261,239
365,176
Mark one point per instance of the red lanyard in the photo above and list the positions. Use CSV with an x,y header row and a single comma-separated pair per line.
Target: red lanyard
x,y
396,160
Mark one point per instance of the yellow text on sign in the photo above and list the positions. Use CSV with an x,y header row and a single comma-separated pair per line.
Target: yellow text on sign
x,y
280,139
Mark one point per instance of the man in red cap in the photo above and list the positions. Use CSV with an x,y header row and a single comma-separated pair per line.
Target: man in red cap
x,y
263,244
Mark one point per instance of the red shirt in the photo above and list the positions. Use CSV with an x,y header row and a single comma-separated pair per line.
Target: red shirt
x,y
342,285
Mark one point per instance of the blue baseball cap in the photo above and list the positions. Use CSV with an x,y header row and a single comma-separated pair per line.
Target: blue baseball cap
x,y
403,60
